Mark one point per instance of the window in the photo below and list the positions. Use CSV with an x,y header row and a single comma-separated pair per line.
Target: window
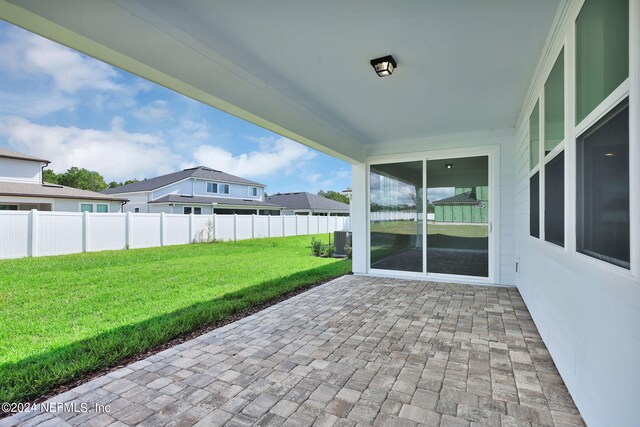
x,y
196,210
8,207
223,188
554,200
86,207
534,137
212,187
136,210
534,205
554,106
603,220
602,52
253,191
101,208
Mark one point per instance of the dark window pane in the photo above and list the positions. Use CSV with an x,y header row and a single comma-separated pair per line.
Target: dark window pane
x,y
554,200
534,137
603,189
534,205
602,52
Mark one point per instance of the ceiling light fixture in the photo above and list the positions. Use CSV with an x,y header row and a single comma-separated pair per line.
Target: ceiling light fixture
x,y
448,165
384,66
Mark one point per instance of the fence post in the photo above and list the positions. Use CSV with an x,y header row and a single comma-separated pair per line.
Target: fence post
x,y
309,223
269,225
33,229
284,233
191,228
85,231
253,226
127,230
215,226
235,227
161,228
296,218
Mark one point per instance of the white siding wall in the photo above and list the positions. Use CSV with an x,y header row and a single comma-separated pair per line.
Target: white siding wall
x,y
587,312
136,200
73,205
198,187
14,170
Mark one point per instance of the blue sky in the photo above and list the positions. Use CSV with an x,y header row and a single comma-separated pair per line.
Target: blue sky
x,y
77,111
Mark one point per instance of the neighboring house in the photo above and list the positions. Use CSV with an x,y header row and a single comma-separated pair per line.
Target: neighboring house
x,y
199,190
468,205
304,203
347,192
22,188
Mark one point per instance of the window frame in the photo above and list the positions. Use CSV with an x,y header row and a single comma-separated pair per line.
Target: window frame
x,y
253,191
17,207
193,210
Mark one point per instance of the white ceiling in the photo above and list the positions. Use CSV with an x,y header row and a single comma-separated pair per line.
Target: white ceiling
x,y
301,68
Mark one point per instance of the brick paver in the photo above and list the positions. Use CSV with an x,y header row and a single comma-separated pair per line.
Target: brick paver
x,y
355,351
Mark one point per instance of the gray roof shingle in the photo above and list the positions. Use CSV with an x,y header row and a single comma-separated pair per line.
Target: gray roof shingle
x,y
4,152
164,180
304,200
21,189
206,200
468,198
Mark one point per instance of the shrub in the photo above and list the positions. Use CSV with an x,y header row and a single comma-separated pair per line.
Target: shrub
x,y
348,251
328,250
316,247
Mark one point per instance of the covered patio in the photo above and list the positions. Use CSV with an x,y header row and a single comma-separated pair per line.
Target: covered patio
x,y
355,351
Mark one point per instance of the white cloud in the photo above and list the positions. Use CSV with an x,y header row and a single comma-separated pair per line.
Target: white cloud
x,y
70,71
153,112
279,156
115,153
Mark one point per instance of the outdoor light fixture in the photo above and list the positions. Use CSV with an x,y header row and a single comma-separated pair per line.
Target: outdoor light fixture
x,y
448,165
384,66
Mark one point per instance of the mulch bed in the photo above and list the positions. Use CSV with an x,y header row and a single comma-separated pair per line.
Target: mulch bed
x,y
172,343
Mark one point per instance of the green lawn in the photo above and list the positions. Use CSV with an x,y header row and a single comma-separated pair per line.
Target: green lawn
x,y
67,315
409,227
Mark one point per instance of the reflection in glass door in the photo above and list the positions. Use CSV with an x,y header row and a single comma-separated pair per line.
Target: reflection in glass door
x,y
396,227
458,216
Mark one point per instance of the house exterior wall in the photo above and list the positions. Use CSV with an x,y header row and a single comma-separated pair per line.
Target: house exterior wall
x,y
137,200
587,311
73,205
198,187
16,170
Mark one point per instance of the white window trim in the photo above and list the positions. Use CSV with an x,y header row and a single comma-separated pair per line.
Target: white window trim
x,y
193,208
629,88
94,206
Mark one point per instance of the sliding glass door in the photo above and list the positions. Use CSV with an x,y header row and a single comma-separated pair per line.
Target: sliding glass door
x,y
396,227
458,216
456,201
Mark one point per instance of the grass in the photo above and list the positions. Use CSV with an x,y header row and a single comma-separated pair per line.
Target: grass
x,y
410,227
64,316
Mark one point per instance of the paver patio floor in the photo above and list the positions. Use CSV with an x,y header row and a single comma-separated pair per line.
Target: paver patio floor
x,y
355,351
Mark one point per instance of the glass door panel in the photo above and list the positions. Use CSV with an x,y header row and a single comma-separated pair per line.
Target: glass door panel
x,y
458,216
396,220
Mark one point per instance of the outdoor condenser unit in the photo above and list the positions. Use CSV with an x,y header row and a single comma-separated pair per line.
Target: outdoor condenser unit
x,y
340,240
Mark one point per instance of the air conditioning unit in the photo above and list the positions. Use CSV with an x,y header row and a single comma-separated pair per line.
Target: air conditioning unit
x,y
340,240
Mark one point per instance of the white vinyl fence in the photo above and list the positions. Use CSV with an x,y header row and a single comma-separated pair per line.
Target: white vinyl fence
x,y
398,216
37,233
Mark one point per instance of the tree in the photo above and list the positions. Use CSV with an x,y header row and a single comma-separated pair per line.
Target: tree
x,y
334,195
114,184
50,176
83,179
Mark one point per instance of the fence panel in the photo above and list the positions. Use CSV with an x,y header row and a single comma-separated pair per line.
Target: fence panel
x,y
203,228
303,224
176,229
58,233
244,227
290,225
144,231
224,227
37,233
276,226
106,232
261,226
14,234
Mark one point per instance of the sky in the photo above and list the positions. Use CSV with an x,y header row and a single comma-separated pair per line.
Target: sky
x,y
74,110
